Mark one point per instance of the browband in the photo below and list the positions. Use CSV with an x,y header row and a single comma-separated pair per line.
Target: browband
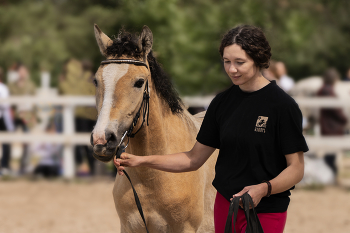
x,y
128,61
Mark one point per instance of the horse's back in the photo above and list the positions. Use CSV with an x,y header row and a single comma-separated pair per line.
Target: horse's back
x,y
200,116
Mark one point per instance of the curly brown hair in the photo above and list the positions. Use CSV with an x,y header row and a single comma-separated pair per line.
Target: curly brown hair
x,y
252,40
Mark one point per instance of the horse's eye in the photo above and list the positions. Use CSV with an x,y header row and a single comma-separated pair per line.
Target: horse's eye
x,y
139,83
95,82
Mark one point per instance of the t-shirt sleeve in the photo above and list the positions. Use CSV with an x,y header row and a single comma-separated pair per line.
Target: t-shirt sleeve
x,y
209,133
290,130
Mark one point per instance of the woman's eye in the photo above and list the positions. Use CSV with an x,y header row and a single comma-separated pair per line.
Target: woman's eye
x,y
240,63
95,82
227,62
139,83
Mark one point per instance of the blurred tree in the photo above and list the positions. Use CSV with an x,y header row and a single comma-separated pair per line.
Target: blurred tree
x,y
308,35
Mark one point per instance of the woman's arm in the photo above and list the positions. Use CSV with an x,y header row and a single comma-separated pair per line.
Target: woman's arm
x,y
284,181
178,162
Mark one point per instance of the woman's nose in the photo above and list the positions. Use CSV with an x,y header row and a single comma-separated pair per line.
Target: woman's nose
x,y
232,69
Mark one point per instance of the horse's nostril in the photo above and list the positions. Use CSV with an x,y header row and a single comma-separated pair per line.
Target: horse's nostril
x,y
110,136
111,139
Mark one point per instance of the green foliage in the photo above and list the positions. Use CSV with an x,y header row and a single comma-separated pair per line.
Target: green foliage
x,y
309,35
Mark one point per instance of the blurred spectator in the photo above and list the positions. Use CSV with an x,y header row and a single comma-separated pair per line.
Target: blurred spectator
x,y
77,79
347,75
332,120
270,73
25,115
6,124
12,73
58,118
23,85
284,81
49,156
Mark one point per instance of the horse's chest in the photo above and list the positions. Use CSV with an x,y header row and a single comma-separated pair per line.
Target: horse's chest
x,y
150,197
160,205
155,222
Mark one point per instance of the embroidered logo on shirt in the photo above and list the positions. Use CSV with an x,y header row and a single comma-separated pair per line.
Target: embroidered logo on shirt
x,y
261,124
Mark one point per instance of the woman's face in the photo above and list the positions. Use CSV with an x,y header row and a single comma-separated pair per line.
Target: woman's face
x,y
239,66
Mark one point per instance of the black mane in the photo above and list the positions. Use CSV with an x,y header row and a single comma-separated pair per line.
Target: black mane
x,y
127,44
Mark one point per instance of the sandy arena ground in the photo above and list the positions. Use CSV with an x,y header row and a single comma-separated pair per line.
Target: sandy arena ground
x,y
84,207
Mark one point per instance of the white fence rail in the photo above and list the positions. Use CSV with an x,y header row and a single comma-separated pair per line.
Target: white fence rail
x,y
69,138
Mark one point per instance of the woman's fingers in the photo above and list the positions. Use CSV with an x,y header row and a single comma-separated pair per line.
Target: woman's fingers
x,y
126,160
253,191
117,164
124,156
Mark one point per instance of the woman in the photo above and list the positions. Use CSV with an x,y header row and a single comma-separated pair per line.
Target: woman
x,y
257,128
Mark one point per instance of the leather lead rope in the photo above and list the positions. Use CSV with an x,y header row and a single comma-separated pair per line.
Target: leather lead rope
x,y
253,223
120,150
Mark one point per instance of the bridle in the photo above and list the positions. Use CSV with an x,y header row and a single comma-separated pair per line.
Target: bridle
x,y
145,107
145,100
127,61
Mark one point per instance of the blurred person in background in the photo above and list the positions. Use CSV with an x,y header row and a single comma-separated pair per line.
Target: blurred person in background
x,y
23,85
284,81
25,114
6,124
270,73
49,164
12,73
77,79
332,120
347,75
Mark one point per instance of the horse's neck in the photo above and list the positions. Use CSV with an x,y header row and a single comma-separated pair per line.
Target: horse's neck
x,y
165,132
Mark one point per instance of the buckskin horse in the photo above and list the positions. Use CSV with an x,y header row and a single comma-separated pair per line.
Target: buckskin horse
x,y
172,202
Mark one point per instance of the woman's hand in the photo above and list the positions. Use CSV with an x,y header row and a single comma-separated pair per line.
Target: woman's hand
x,y
126,160
255,191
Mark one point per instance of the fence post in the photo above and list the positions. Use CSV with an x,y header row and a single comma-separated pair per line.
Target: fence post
x,y
68,151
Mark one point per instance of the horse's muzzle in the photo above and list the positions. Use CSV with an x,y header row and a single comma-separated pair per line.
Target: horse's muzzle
x,y
105,152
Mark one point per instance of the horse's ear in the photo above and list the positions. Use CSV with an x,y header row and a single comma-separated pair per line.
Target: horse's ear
x,y
146,40
102,39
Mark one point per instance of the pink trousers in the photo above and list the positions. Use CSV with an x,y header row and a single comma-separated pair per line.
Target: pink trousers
x,y
270,222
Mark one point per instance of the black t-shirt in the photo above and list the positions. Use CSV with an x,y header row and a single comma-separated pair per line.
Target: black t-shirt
x,y
254,131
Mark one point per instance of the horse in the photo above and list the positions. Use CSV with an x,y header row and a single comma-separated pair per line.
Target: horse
x,y
172,202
